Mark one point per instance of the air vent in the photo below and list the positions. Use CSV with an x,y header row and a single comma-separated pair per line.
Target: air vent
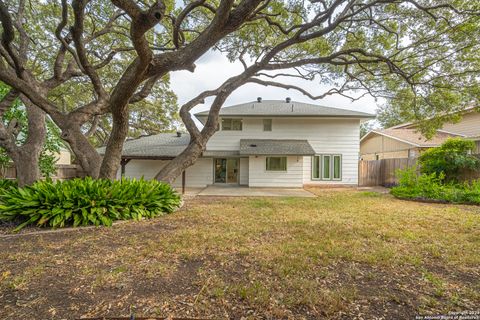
x,y
259,99
288,100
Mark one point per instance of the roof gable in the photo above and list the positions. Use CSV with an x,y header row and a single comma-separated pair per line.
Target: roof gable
x,y
412,137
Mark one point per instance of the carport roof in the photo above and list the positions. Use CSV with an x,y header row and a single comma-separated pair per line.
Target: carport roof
x,y
275,147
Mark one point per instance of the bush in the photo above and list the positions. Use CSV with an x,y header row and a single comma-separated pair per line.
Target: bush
x,y
81,202
6,184
434,187
451,157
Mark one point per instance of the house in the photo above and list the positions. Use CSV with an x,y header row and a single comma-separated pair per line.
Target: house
x,y
405,141
398,143
261,144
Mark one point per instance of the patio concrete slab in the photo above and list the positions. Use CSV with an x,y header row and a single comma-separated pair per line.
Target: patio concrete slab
x,y
240,191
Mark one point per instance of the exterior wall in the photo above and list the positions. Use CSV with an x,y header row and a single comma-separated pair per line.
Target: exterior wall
x,y
259,177
244,171
326,136
197,176
381,144
386,155
64,157
469,125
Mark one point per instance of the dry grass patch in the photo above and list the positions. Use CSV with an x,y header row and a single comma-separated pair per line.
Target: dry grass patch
x,y
336,256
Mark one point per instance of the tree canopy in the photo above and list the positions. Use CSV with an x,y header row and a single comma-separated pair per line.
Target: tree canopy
x,y
419,55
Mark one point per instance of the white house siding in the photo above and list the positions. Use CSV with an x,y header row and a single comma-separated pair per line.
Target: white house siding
x,y
199,175
244,171
327,136
259,177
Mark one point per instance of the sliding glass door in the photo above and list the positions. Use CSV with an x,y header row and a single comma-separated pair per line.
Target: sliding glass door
x,y
226,170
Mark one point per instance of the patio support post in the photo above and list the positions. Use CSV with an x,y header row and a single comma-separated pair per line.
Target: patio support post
x,y
183,182
123,163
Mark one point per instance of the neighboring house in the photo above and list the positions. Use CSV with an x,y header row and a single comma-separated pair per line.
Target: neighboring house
x,y
405,141
398,143
64,157
261,144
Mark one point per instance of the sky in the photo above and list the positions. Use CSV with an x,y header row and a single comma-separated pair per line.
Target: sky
x,y
213,68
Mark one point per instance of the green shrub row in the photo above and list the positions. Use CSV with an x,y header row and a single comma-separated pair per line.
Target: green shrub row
x,y
6,184
434,187
81,202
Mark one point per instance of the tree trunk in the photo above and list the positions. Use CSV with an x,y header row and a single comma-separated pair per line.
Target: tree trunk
x,y
27,166
113,151
84,152
175,167
27,156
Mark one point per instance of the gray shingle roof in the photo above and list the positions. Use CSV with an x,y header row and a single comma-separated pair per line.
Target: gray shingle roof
x,y
159,145
281,108
275,147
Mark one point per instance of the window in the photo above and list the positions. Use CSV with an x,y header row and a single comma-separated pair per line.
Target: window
x,y
327,167
232,124
276,164
316,167
267,124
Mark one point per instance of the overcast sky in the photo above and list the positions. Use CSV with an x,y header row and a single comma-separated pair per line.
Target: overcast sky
x,y
214,68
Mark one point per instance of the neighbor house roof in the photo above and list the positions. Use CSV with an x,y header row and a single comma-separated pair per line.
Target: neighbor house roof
x,y
275,147
163,145
281,108
411,124
413,137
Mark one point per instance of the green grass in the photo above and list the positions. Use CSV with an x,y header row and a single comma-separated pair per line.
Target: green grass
x,y
275,257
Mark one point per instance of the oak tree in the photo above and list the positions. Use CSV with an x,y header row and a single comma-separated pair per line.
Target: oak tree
x,y
419,54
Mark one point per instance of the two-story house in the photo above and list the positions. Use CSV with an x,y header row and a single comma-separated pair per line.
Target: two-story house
x,y
261,144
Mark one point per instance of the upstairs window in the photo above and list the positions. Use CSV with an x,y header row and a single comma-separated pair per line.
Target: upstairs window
x,y
267,124
231,124
327,167
276,164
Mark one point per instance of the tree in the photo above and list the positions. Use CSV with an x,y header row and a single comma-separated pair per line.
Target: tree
x,y
15,119
420,53
389,116
365,128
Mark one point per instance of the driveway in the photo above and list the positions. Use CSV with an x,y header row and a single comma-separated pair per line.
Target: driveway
x,y
242,191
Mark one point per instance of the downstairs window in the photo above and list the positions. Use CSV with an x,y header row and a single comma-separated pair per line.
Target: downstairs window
x,y
327,167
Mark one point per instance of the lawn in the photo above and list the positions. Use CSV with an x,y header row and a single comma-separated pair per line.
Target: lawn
x,y
343,255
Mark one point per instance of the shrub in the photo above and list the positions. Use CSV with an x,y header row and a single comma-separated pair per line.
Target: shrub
x,y
86,202
434,187
6,184
451,157
412,185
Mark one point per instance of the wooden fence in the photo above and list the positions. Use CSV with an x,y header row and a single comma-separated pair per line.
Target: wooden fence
x,y
381,172
64,171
